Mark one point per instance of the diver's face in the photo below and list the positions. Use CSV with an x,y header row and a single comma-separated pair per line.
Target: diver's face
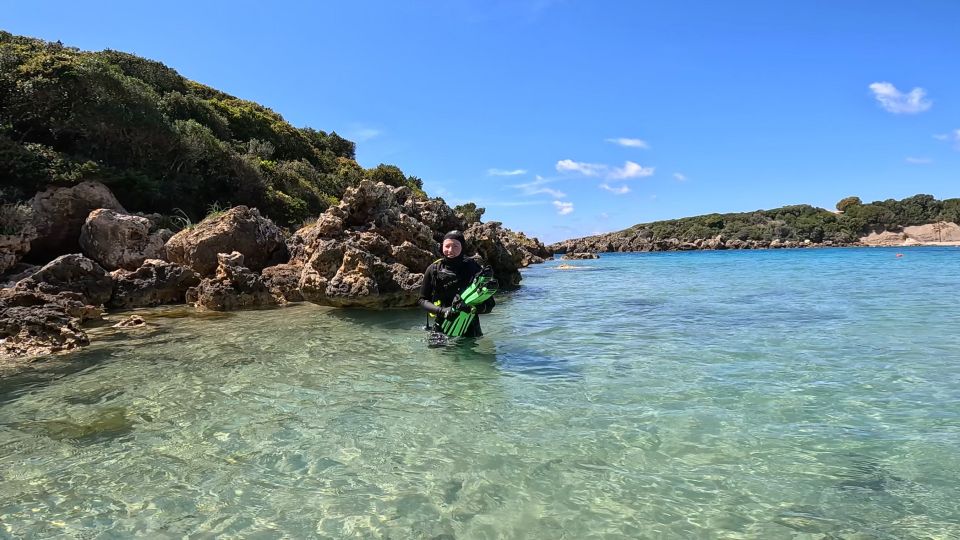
x,y
451,248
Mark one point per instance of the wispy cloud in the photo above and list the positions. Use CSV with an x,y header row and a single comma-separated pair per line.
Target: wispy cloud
x,y
896,102
679,177
537,187
919,160
514,203
502,172
953,136
604,215
563,208
630,170
360,133
629,143
586,169
622,190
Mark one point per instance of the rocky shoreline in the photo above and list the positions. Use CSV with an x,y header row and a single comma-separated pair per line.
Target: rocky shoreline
x,y
933,234
369,251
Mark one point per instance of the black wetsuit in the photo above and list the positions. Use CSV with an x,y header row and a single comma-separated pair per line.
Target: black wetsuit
x,y
443,280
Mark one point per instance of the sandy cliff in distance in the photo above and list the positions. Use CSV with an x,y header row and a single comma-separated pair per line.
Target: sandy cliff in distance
x,y
932,234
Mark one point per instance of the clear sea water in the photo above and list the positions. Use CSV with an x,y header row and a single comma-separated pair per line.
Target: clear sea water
x,y
756,394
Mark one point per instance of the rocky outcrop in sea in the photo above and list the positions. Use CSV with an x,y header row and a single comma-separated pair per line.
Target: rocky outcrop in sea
x,y
628,241
368,251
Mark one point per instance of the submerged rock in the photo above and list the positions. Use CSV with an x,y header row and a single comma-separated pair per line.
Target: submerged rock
x,y
132,321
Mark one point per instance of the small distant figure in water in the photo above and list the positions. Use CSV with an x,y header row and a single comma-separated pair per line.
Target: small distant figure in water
x,y
445,279
899,255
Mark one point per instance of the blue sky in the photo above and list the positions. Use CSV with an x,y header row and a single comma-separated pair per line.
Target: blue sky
x,y
568,118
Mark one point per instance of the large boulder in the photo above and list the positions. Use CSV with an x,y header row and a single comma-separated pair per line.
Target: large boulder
x,y
156,282
71,273
34,323
239,229
233,287
371,249
434,213
496,250
117,240
59,214
283,281
348,277
17,231
365,252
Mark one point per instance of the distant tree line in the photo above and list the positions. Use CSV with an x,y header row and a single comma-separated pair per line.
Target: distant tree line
x,y
161,142
804,222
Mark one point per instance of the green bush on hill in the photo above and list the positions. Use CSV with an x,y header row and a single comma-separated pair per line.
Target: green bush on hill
x,y
805,222
161,142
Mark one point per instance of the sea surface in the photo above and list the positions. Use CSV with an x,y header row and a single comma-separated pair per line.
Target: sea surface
x,y
749,394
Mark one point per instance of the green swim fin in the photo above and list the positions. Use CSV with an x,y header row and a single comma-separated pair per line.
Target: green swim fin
x,y
479,291
458,326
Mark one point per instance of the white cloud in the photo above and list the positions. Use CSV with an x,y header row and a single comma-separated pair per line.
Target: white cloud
x,y
896,102
563,208
919,160
514,203
630,143
502,172
586,169
360,133
622,190
630,170
953,136
679,177
537,187
604,215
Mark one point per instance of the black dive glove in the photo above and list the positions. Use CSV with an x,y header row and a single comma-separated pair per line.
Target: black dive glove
x,y
486,306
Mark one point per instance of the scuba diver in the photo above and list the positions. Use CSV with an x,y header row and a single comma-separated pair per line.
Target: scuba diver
x,y
456,289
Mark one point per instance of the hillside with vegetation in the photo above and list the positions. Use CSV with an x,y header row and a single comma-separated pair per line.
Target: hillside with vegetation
x,y
789,226
161,143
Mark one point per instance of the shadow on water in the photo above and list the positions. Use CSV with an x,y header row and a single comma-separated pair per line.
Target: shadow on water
x,y
643,306
104,425
390,319
516,362
47,371
536,364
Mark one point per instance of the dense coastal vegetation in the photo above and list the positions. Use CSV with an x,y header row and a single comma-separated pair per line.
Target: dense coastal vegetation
x,y
160,142
797,224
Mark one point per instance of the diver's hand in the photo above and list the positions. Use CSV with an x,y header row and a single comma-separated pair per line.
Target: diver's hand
x,y
486,307
458,304
448,313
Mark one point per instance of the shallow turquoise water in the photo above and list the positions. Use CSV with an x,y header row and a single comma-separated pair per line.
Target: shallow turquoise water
x,y
766,394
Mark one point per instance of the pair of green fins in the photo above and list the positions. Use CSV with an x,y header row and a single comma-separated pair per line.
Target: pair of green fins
x,y
479,291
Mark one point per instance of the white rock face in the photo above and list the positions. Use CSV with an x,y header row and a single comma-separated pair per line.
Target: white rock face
x,y
117,240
